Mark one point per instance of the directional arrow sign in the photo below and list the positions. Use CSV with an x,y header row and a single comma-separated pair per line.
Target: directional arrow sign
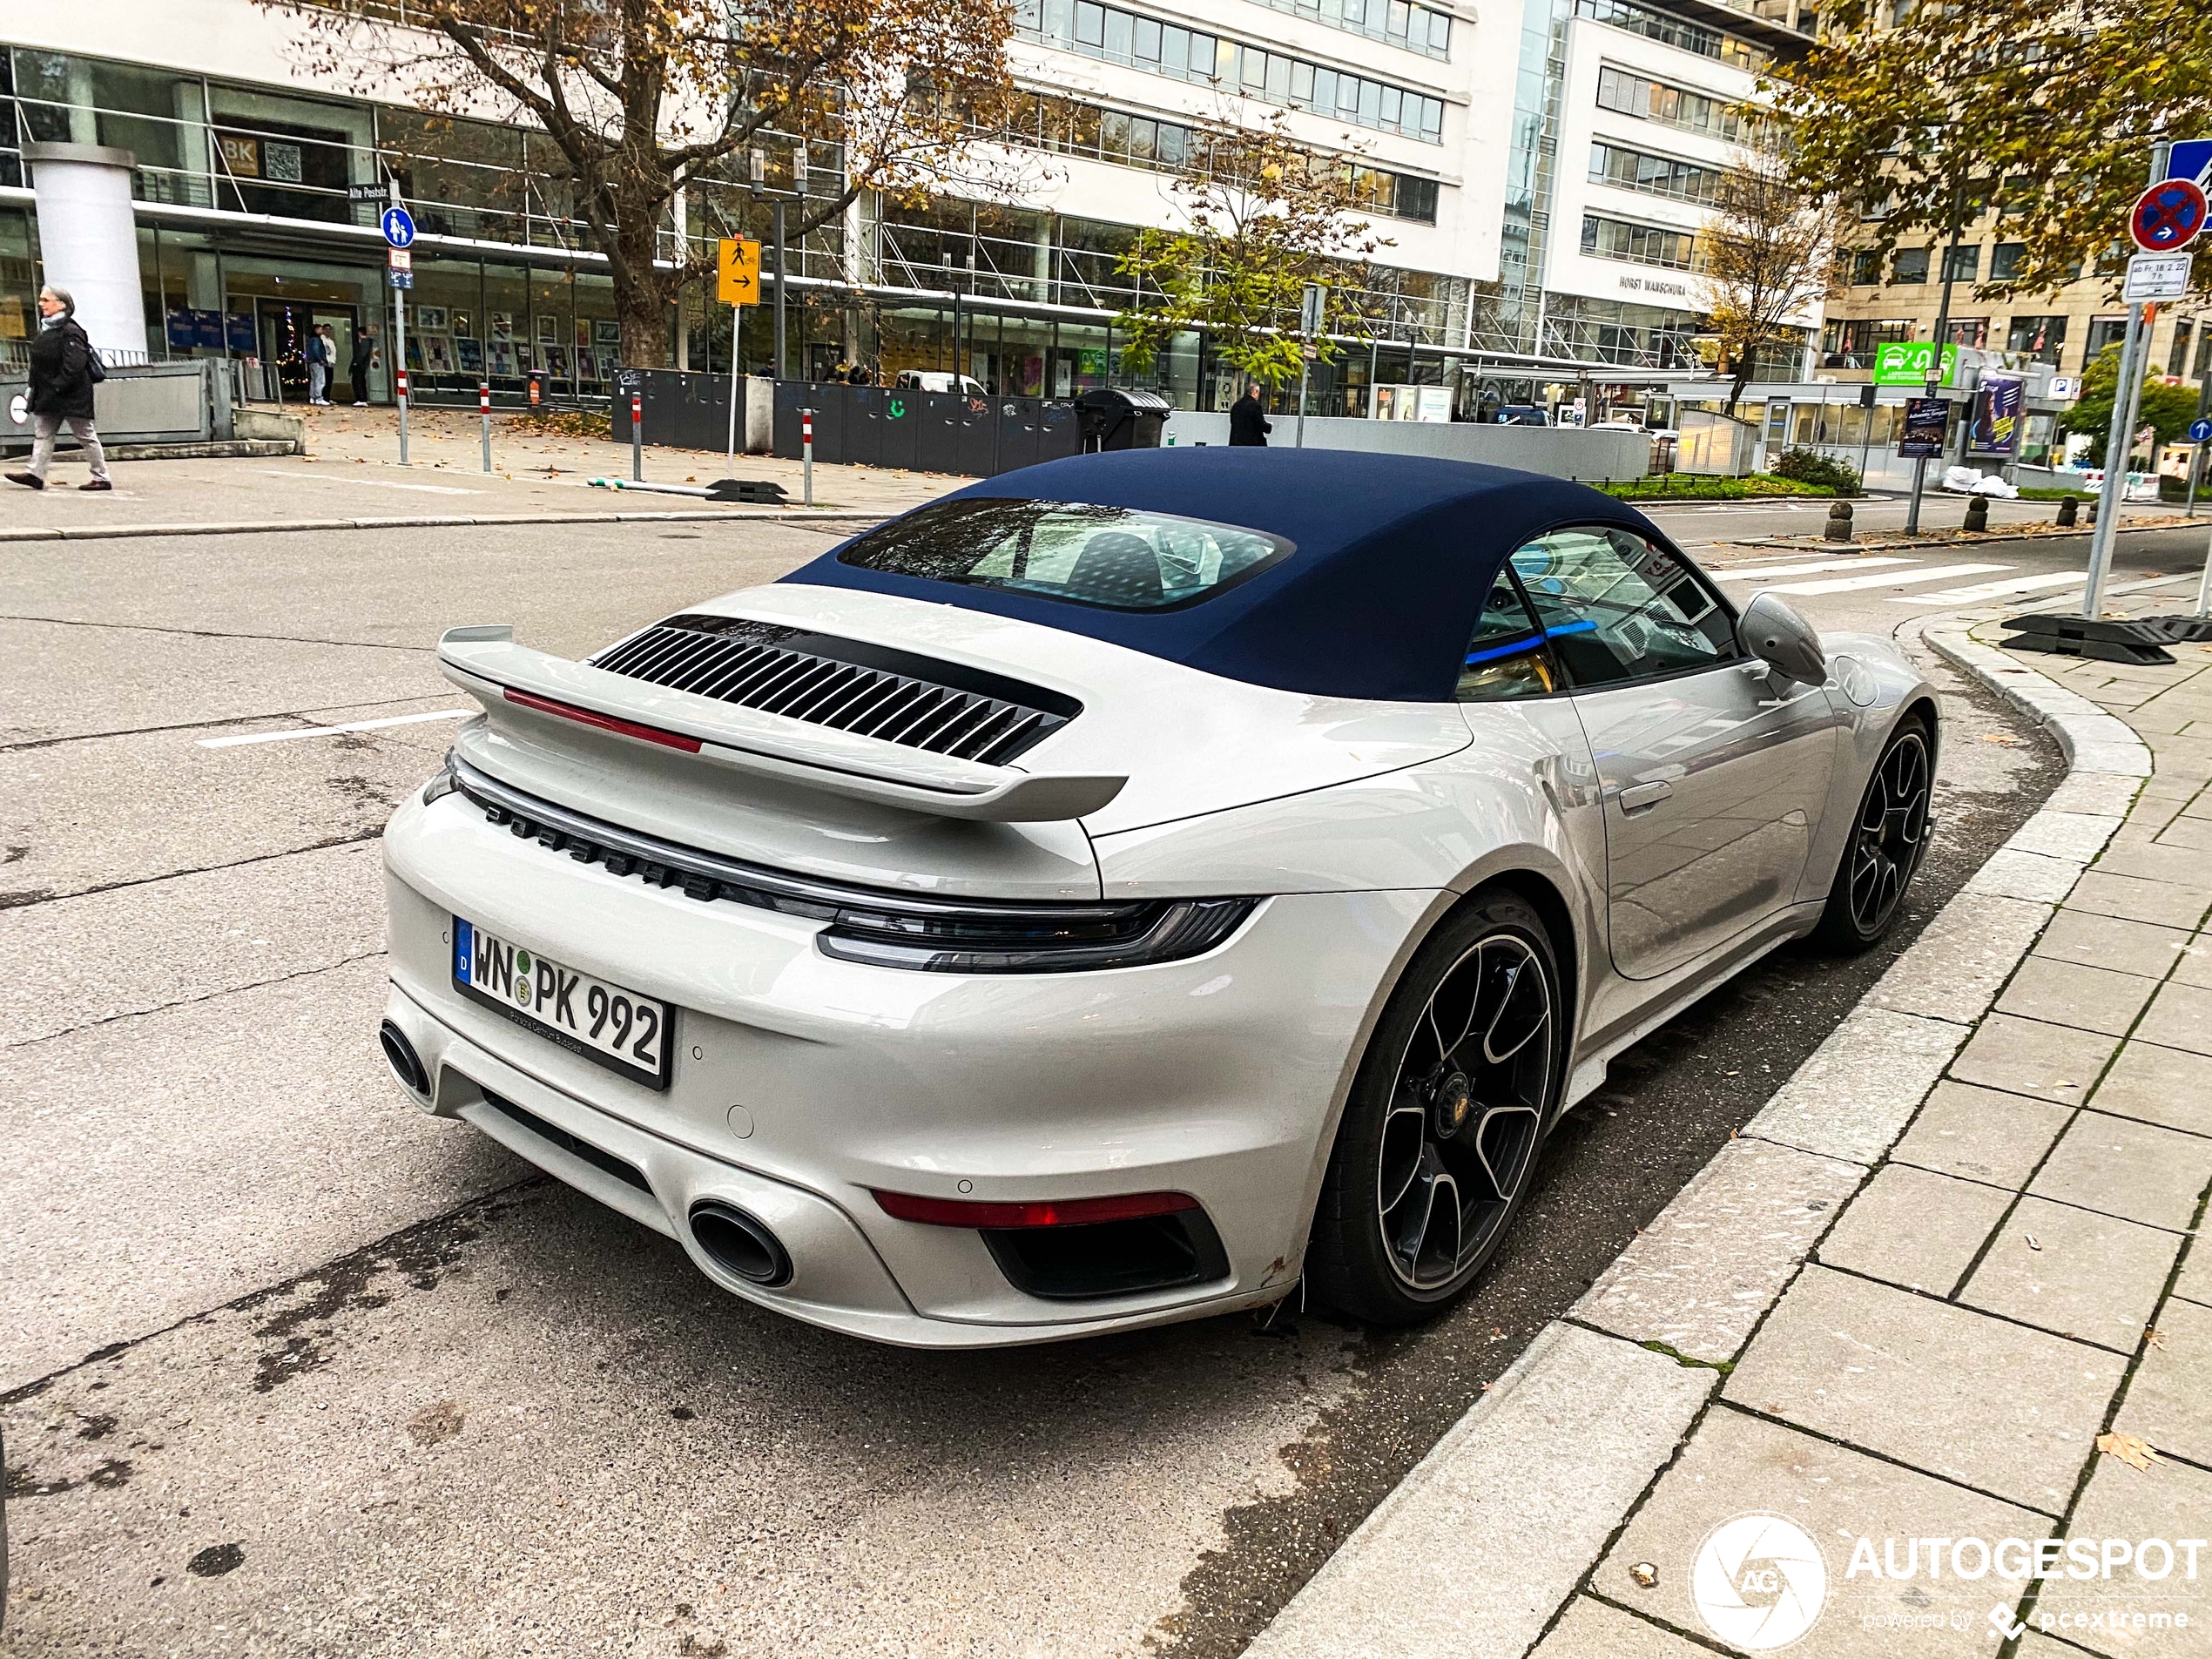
x,y
2168,216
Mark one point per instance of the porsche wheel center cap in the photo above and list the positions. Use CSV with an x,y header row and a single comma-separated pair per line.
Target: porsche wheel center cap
x,y
1450,1104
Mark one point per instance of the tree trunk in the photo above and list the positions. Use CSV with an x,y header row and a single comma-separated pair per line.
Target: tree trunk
x,y
641,300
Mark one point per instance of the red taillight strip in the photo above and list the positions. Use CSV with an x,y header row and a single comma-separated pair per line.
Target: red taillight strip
x,y
604,722
1048,1212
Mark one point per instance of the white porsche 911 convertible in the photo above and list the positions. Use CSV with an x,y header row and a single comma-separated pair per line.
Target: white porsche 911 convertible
x,y
1117,889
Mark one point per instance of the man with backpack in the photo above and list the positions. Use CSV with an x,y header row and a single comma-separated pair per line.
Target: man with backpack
x,y
64,370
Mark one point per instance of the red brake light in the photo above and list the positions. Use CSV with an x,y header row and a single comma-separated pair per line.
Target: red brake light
x,y
604,722
1048,1212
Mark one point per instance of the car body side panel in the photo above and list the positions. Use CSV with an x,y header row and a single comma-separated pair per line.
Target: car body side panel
x,y
1873,683
1742,771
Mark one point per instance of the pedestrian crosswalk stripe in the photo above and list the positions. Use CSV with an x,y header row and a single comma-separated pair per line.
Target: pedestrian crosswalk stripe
x,y
1888,579
1766,568
1994,589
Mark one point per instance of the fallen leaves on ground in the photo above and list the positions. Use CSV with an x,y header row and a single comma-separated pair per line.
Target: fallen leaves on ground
x,y
2131,1449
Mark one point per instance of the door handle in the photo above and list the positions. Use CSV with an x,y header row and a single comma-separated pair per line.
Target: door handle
x,y
1639,797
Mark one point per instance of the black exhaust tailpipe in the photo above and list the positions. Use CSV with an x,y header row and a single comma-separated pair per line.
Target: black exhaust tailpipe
x,y
740,1243
406,1065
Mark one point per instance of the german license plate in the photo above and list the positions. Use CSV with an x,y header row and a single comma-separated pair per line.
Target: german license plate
x,y
622,1030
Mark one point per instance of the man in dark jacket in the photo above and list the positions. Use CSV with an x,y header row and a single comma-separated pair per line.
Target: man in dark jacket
x,y
1247,425
61,391
364,360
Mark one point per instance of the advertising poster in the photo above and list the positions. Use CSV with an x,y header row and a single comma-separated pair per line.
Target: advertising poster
x,y
1995,427
1927,420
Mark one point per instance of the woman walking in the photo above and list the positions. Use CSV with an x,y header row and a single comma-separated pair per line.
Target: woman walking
x,y
61,391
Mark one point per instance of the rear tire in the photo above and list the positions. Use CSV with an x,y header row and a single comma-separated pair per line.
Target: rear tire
x,y
1888,839
1439,1142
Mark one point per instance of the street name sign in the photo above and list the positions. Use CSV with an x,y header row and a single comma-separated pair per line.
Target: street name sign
x,y
365,193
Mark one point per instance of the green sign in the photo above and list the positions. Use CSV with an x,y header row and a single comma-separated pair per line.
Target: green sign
x,y
1904,363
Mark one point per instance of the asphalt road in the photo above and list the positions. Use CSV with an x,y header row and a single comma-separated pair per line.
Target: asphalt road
x,y
286,1367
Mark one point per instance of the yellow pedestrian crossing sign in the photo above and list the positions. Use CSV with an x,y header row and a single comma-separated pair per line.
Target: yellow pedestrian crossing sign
x,y
739,272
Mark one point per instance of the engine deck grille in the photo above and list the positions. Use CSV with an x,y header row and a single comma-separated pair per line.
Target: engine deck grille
x,y
870,689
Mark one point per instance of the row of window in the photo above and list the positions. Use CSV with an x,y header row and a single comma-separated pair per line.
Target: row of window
x,y
1626,93
1708,42
1067,127
1855,340
1962,264
1620,238
1416,28
1181,54
1652,175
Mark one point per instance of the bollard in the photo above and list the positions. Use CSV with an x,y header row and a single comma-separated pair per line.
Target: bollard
x,y
1977,512
806,454
483,407
2067,508
636,436
1839,526
402,383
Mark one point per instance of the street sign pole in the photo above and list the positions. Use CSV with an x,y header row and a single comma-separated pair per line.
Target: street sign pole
x,y
2119,436
777,212
737,383
398,342
1935,362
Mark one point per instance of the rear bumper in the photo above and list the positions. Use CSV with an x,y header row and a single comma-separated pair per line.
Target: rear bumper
x,y
801,1081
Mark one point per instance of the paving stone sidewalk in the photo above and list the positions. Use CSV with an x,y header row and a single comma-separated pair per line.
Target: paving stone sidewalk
x,y
1957,1249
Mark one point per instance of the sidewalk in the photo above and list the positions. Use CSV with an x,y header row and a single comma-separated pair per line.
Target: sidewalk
x,y
1944,1292
351,477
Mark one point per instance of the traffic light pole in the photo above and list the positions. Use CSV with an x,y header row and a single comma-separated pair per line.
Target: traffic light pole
x,y
2120,437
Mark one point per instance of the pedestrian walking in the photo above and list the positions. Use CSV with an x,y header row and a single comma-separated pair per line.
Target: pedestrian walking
x,y
1248,427
364,360
322,355
64,370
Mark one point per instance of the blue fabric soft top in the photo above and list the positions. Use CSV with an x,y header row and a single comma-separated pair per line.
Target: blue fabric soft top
x,y
1395,556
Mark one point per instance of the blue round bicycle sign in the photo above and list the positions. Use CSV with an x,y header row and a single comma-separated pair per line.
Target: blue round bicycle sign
x,y
399,226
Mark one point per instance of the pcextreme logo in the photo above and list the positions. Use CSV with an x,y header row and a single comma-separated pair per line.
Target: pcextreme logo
x,y
1759,1582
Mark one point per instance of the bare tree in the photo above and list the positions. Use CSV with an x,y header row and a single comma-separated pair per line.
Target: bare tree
x,y
1767,253
640,96
1266,214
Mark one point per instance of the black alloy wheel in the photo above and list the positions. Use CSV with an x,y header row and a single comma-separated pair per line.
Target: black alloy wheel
x,y
1889,837
1440,1135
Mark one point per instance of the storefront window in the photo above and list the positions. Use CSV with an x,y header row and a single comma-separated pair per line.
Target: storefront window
x,y
18,290
444,352
505,325
289,157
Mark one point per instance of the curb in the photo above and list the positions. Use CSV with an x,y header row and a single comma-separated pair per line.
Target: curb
x,y
2022,532
836,515
1493,1522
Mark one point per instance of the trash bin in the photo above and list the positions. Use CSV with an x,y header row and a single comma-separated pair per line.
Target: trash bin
x,y
1122,419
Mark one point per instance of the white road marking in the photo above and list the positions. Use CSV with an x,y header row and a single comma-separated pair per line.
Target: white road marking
x,y
1887,579
1994,589
377,483
333,730
1760,571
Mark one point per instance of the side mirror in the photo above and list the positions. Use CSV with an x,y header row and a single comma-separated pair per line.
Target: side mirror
x,y
1782,640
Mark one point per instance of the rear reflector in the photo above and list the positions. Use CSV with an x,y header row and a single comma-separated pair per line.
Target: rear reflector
x,y
604,722
1061,1212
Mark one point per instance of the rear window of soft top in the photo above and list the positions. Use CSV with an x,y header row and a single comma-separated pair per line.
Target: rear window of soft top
x,y
1117,559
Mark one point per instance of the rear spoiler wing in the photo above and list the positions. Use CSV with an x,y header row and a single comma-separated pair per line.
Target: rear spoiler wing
x,y
486,663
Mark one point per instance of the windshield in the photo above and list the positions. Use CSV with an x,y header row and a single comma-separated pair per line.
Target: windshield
x,y
1121,558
